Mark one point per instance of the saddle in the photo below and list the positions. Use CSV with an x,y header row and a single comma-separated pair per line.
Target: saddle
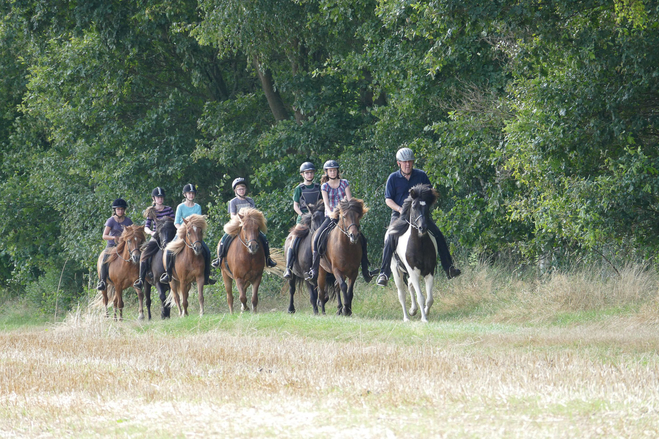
x,y
322,239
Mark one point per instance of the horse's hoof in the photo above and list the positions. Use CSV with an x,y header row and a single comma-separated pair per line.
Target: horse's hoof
x,y
291,311
424,320
413,311
140,317
405,319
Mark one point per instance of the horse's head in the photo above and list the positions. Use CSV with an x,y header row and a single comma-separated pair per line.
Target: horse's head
x,y
416,208
193,230
166,230
131,240
350,212
317,212
252,222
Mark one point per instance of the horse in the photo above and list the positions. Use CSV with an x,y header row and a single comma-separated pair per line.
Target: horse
x,y
166,232
189,263
245,258
343,254
123,268
304,232
415,254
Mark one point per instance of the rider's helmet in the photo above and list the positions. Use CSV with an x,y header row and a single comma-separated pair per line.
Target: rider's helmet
x,y
238,181
119,202
331,164
189,188
307,166
158,192
405,155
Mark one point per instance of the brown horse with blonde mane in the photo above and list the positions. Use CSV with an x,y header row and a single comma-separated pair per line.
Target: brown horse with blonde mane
x,y
245,258
343,254
123,269
189,263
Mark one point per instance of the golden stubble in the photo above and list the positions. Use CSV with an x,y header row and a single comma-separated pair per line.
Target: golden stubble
x,y
90,376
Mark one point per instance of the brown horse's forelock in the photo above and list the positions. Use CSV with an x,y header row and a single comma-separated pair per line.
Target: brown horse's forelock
x,y
250,217
353,205
194,220
128,234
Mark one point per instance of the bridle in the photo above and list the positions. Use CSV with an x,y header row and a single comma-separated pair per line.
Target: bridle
x,y
413,223
187,232
345,230
130,253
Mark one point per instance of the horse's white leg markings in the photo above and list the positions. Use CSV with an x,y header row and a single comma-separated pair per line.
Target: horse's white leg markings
x,y
415,276
429,285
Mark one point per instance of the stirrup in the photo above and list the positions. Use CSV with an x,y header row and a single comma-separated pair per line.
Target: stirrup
x,y
164,278
382,280
453,272
101,286
138,283
287,273
270,263
216,263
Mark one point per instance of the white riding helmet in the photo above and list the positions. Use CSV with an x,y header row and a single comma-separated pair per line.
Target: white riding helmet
x,y
405,155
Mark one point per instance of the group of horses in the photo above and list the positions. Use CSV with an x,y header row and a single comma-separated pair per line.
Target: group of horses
x,y
415,258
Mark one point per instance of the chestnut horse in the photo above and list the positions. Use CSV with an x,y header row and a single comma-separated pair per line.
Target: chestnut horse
x,y
189,263
123,269
343,254
304,232
245,258
166,232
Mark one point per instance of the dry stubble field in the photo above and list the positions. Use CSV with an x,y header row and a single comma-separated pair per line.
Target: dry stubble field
x,y
277,375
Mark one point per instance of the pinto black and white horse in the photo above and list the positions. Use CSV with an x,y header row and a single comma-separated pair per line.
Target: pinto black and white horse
x,y
415,256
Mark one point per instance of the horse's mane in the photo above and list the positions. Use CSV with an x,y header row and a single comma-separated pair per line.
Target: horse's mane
x,y
353,205
128,234
194,220
420,191
166,224
304,227
246,217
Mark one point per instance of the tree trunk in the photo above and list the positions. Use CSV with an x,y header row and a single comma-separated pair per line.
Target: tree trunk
x,y
274,99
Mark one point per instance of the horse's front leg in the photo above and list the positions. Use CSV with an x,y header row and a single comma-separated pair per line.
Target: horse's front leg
x,y
429,296
200,292
147,297
344,291
347,303
291,294
414,279
242,294
228,289
184,292
413,306
176,288
400,286
322,289
255,293
140,300
119,302
313,297
162,293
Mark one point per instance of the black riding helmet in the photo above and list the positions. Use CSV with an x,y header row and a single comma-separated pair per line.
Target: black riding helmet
x,y
189,188
238,181
330,164
158,192
307,166
119,202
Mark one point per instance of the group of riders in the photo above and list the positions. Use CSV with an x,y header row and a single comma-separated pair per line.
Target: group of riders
x,y
332,189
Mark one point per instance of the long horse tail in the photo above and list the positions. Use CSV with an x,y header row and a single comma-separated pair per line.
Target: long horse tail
x,y
97,302
332,286
278,256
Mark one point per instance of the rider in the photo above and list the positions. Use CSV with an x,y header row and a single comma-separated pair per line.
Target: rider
x,y
241,200
397,189
184,210
153,213
114,227
306,193
334,189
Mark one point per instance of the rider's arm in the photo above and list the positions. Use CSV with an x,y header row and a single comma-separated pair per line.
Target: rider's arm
x,y
296,208
392,204
148,230
348,193
106,234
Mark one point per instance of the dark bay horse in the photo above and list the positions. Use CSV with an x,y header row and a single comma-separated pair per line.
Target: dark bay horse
x,y
189,263
123,268
166,232
304,232
245,258
416,252
343,254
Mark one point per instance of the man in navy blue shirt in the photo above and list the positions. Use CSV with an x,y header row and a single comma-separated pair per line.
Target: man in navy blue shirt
x,y
398,187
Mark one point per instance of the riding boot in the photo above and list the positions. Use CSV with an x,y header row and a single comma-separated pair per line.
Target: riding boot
x,y
103,276
318,242
443,251
291,257
167,275
207,265
266,249
387,254
145,265
368,276
312,275
217,262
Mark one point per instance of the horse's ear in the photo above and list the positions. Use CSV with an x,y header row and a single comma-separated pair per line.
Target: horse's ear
x,y
413,193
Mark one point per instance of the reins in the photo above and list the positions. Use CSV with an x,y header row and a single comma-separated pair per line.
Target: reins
x,y
345,232
130,253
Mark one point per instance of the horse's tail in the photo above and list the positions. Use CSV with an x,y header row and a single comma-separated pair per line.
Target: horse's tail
x,y
97,302
300,231
332,286
277,255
